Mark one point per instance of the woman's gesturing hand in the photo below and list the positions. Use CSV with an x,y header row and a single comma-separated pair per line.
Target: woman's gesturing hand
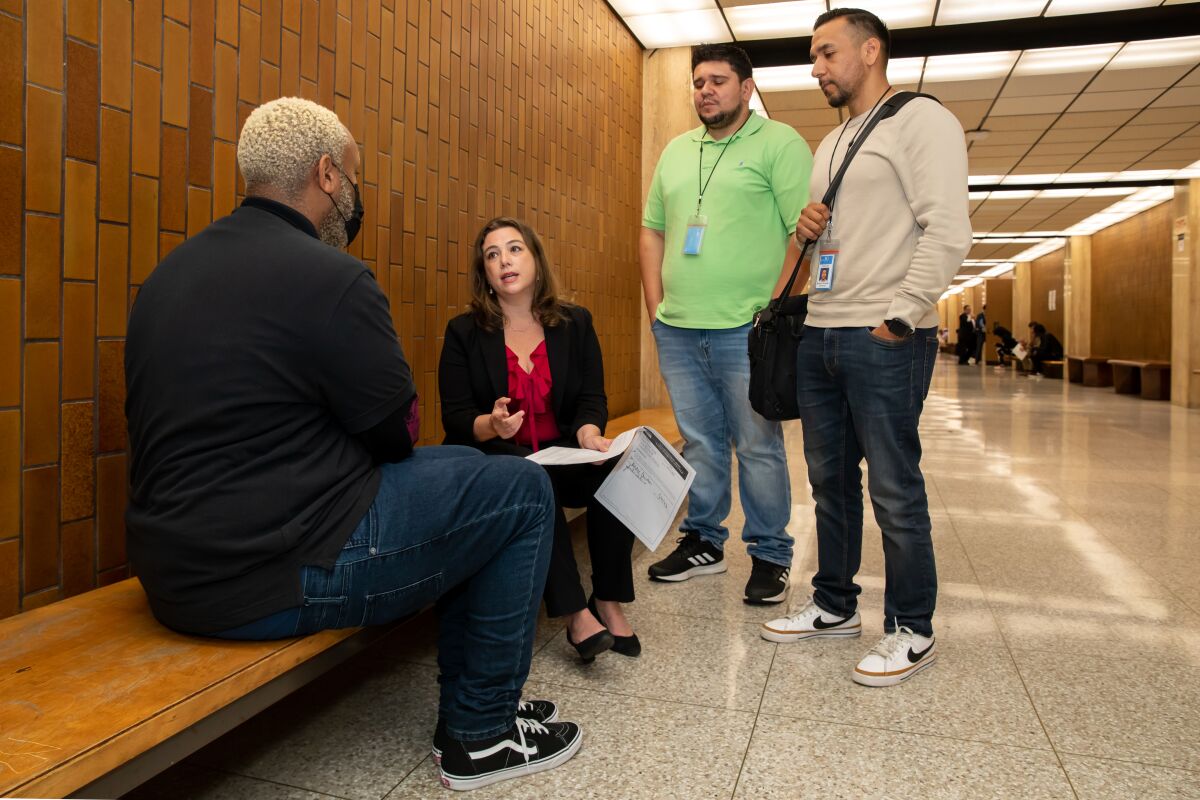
x,y
503,423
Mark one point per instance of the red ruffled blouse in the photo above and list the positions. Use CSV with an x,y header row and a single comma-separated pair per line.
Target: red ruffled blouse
x,y
530,392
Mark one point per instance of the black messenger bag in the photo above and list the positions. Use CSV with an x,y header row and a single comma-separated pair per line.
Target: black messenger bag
x,y
777,329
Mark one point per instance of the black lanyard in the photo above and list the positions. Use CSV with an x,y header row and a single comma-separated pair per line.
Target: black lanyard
x,y
843,130
703,184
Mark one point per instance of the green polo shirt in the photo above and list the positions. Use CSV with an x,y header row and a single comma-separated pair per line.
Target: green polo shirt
x,y
752,203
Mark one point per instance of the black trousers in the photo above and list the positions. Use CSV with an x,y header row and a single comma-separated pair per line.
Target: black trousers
x,y
609,542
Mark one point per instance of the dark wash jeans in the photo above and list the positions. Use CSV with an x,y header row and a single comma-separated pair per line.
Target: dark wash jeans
x,y
861,396
472,532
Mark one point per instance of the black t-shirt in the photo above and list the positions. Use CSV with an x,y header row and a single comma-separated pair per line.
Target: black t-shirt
x,y
255,354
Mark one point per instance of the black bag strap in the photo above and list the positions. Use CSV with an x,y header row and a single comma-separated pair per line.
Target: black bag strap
x,y
887,109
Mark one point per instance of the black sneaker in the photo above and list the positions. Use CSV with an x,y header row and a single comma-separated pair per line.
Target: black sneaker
x,y
692,557
768,583
524,749
536,710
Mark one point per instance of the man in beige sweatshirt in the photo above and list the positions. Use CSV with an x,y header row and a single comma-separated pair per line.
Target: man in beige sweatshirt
x,y
898,233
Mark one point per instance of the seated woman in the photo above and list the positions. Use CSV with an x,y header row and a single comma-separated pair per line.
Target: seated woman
x,y
522,371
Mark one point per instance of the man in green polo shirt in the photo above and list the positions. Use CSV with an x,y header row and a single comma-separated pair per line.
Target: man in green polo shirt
x,y
715,244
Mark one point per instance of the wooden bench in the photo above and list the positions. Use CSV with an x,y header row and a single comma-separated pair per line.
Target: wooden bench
x,y
1150,379
96,697
1052,369
1077,367
1097,372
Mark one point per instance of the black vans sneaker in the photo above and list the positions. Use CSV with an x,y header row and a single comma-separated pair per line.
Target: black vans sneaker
x,y
527,747
692,557
768,583
536,710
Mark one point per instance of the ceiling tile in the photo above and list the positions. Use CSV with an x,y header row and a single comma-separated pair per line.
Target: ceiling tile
x,y
1117,80
1179,96
964,90
1192,78
1048,148
1190,142
1170,130
1175,114
1093,119
1113,163
1030,85
1167,160
970,113
1050,163
986,149
1102,101
1023,122
1042,104
1080,135
791,101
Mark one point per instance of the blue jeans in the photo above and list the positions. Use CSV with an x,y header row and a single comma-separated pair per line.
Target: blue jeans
x,y
861,396
472,532
707,373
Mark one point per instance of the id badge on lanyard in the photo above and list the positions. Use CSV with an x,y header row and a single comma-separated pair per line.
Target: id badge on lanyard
x,y
826,263
693,240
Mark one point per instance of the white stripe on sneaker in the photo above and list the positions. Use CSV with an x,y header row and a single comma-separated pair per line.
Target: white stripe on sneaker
x,y
526,751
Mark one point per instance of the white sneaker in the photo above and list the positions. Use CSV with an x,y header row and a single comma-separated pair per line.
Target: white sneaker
x,y
898,656
809,622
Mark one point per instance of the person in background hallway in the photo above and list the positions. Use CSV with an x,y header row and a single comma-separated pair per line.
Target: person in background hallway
x,y
275,491
869,347
522,371
966,335
714,248
1046,347
1005,343
980,333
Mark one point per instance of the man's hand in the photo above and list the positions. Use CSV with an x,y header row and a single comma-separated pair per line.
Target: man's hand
x,y
504,424
812,222
883,332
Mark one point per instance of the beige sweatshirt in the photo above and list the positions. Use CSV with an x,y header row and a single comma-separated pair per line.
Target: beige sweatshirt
x,y
900,218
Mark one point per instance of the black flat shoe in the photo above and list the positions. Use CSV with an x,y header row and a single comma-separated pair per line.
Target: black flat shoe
x,y
629,646
592,646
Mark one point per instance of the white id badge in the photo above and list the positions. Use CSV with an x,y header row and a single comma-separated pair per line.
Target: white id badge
x,y
827,254
694,238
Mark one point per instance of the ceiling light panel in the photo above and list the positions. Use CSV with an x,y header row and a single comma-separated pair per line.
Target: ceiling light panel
x,y
679,28
969,66
1158,53
1053,60
774,20
955,12
904,13
785,79
630,8
1060,8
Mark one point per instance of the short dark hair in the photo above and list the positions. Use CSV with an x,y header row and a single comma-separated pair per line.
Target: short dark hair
x,y
1039,329
865,22
731,54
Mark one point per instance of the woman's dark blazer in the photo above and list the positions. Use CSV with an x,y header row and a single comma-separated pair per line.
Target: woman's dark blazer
x,y
473,373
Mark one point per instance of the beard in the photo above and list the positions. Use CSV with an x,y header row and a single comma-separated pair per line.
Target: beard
x,y
719,119
332,229
839,97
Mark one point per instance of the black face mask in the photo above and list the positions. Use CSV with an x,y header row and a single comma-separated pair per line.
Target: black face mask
x,y
354,222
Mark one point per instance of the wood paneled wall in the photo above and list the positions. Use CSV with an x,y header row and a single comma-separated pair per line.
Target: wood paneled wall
x,y
1046,275
1131,287
118,130
999,309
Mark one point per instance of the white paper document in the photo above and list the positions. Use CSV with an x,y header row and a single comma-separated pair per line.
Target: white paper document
x,y
647,487
579,455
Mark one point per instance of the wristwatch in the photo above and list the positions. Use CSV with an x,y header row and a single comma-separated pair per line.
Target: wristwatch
x,y
898,328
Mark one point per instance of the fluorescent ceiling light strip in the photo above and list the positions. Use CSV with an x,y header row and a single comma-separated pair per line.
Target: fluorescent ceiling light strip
x,y
1019,179
970,66
976,281
1057,60
679,28
903,14
1060,8
785,79
954,290
774,19
632,8
957,12
998,270
1158,53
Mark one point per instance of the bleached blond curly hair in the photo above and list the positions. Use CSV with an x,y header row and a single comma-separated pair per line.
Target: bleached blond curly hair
x,y
282,140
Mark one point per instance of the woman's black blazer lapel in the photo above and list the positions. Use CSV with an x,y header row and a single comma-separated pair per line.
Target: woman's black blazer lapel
x,y
492,345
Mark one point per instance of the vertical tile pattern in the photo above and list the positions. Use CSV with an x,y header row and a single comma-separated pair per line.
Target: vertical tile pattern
x,y
119,123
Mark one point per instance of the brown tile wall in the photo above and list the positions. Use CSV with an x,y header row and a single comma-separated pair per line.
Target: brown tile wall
x,y
119,119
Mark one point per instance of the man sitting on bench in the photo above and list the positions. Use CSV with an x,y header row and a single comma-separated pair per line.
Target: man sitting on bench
x,y
275,490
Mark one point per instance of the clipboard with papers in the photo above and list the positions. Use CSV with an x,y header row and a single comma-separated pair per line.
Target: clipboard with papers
x,y
646,487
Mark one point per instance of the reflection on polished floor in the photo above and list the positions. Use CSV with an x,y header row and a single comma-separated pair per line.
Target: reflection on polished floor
x,y
1067,527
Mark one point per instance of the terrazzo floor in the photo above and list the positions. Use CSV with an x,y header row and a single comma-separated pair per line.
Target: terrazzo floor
x,y
1067,527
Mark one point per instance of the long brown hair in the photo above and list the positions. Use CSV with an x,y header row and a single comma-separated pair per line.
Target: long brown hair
x,y
547,307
